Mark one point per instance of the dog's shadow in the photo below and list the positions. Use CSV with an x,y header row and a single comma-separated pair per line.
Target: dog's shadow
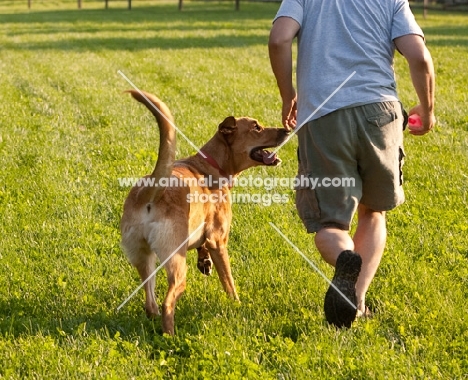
x,y
47,317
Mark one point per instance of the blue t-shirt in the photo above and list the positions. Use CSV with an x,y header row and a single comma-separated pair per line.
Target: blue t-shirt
x,y
338,37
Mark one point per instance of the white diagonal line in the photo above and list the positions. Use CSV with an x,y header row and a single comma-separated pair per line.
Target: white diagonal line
x,y
313,265
164,116
312,114
160,266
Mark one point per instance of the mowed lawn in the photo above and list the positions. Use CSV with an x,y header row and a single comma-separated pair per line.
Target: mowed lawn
x,y
68,134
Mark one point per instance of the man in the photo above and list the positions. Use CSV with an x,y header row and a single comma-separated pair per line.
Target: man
x,y
345,53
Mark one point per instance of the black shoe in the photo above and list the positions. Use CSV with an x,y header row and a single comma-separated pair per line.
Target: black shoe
x,y
338,311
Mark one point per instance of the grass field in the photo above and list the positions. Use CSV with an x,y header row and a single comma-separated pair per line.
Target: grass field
x,y
67,133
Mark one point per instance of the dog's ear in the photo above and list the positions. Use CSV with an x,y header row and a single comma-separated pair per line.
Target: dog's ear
x,y
228,126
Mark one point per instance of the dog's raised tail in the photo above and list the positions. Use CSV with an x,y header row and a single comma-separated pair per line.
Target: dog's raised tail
x,y
167,144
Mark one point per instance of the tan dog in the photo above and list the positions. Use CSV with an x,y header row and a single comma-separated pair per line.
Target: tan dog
x,y
157,220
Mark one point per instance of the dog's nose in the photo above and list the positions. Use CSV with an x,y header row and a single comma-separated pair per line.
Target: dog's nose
x,y
282,135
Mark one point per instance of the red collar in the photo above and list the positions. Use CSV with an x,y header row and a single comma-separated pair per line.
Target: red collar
x,y
213,163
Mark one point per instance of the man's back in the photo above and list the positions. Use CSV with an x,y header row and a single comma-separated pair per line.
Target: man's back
x,y
339,37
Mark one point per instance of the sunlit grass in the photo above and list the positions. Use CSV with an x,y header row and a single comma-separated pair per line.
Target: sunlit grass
x,y
67,133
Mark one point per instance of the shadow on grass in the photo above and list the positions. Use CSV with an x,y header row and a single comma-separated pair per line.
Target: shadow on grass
x,y
127,326
64,319
135,44
18,318
148,14
21,320
447,35
162,17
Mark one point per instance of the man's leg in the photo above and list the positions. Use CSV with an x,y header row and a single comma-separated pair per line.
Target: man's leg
x,y
337,248
330,242
369,242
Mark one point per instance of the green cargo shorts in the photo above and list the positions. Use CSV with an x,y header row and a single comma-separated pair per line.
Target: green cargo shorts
x,y
351,156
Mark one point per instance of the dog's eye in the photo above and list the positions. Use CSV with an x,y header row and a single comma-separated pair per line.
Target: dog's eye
x,y
257,128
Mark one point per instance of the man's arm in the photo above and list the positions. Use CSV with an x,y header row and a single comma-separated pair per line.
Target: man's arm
x,y
422,75
282,34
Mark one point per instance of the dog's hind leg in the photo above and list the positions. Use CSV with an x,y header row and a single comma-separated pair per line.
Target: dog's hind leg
x,y
176,269
145,265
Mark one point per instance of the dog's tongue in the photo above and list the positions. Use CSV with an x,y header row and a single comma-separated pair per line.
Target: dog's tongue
x,y
268,157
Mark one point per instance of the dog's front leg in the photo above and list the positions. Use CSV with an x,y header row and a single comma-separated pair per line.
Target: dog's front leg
x,y
204,262
220,257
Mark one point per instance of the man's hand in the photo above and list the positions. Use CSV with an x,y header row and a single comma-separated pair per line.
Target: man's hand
x,y
428,120
289,113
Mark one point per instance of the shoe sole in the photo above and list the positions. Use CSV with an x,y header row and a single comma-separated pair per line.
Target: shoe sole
x,y
338,311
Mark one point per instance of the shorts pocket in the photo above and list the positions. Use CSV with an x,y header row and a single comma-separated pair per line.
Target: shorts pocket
x,y
383,119
307,205
384,129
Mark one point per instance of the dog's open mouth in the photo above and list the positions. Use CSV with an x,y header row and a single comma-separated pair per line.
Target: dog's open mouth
x,y
264,156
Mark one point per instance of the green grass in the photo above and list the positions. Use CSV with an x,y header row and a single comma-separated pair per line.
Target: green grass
x,y
67,133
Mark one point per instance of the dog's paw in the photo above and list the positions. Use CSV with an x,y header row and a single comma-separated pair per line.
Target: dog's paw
x,y
152,311
205,265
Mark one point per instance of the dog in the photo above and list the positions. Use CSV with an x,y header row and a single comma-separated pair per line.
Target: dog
x,y
157,220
